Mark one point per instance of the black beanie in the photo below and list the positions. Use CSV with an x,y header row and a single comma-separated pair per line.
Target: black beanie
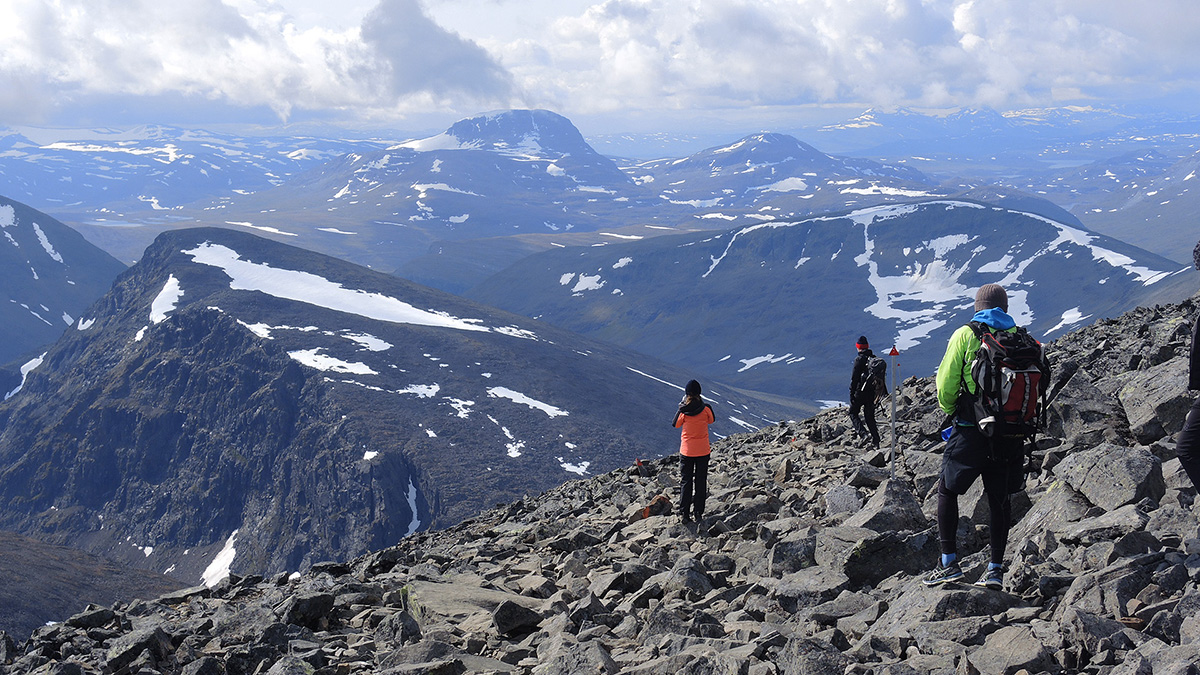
x,y
1196,255
989,296
692,388
862,342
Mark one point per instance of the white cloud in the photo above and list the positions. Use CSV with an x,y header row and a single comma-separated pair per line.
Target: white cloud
x,y
387,59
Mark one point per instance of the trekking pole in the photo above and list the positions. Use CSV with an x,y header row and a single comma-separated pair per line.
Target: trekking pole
x,y
895,394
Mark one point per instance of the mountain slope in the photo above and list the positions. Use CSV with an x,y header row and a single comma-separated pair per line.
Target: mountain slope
x,y
776,307
237,400
45,583
49,274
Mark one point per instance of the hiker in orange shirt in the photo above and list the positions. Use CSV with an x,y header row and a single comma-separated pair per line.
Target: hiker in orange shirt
x,y
693,417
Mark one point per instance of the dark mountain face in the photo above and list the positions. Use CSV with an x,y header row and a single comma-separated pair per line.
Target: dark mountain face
x,y
233,401
776,307
49,274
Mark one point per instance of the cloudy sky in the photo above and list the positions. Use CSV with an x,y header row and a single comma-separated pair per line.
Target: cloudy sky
x,y
619,65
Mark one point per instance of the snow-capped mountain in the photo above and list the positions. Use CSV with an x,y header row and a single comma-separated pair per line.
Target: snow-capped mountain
x,y
99,174
776,307
49,274
235,401
530,177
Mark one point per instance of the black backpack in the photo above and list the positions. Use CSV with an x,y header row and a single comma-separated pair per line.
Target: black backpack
x,y
875,377
1011,375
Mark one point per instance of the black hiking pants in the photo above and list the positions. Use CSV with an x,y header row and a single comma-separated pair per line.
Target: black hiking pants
x,y
1187,445
867,405
694,485
1001,463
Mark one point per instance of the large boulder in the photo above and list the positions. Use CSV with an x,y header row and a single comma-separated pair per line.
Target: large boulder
x,y
920,604
1010,650
1157,400
1111,476
893,508
809,656
867,556
1084,414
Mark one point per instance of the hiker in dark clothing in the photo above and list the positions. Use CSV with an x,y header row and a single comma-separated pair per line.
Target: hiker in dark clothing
x,y
862,393
1187,445
692,420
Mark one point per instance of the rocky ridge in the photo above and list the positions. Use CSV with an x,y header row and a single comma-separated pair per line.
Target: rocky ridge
x,y
809,561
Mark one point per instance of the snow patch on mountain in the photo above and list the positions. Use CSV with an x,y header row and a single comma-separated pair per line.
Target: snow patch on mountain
x,y
26,368
321,292
218,569
313,358
166,300
518,397
46,245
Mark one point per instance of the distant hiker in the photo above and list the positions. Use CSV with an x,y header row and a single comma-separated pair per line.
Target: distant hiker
x,y
1187,445
693,417
867,386
984,442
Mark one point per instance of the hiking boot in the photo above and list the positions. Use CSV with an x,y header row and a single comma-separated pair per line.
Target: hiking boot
x,y
941,575
992,578
686,519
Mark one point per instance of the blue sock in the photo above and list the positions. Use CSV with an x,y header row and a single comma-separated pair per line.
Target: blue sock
x,y
995,566
948,558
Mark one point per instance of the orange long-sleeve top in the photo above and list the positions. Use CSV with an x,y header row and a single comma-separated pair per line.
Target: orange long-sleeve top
x,y
693,441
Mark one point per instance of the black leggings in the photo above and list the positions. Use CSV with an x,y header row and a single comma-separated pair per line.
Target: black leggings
x,y
694,483
1000,520
1187,445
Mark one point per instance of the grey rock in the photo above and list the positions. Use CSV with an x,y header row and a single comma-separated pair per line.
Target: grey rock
x,y
568,659
866,556
687,578
399,628
307,609
511,618
842,500
1084,413
290,665
893,508
972,630
205,665
1111,476
153,641
792,553
917,603
1053,511
93,617
443,667
847,603
1107,527
808,587
806,656
1010,650
1157,400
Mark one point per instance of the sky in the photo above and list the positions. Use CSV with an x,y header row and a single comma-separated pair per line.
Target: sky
x,y
612,66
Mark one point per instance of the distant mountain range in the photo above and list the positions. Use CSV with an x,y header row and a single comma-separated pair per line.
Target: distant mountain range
x,y
776,307
450,209
157,169
49,275
235,401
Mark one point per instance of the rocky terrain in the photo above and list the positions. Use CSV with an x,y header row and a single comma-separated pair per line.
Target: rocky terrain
x,y
809,561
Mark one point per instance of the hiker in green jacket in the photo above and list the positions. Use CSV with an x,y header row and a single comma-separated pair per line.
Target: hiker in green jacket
x,y
969,453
